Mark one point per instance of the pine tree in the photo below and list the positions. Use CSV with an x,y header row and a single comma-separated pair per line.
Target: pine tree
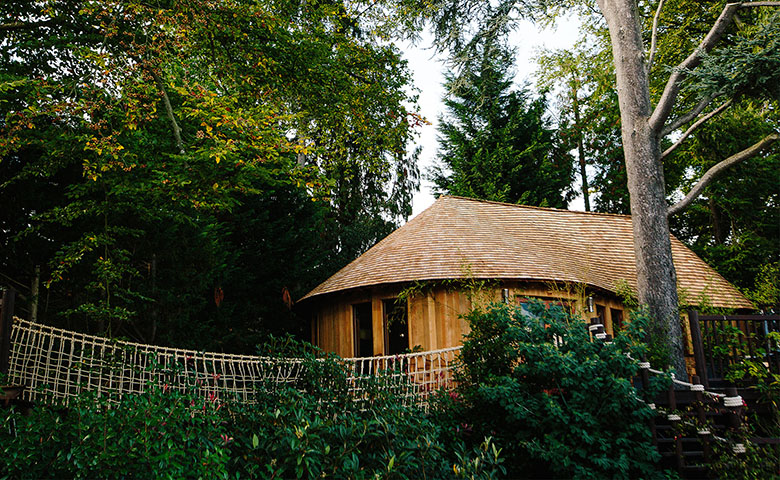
x,y
495,142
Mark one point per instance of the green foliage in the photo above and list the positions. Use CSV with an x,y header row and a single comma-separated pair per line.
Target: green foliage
x,y
495,142
560,405
162,434
766,294
733,226
756,463
745,367
307,429
179,169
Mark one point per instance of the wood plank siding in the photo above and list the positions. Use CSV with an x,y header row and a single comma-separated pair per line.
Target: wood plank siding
x,y
435,314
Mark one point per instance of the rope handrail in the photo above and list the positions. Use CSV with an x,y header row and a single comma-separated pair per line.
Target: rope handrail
x,y
57,364
401,355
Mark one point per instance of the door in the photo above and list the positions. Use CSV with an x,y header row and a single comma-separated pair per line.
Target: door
x,y
363,331
396,327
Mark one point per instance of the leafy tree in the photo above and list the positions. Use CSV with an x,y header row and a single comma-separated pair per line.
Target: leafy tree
x,y
744,64
159,133
727,225
497,144
733,224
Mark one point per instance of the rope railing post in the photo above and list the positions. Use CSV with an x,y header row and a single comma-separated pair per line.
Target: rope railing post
x,y
674,421
734,403
644,373
704,433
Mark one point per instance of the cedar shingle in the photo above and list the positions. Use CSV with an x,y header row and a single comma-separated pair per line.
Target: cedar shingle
x,y
460,238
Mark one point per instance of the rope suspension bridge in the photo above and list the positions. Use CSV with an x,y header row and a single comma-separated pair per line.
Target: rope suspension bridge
x,y
55,365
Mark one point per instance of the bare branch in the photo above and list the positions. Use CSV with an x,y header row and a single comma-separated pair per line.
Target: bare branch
x,y
169,111
654,36
696,125
717,169
695,111
10,26
760,4
665,104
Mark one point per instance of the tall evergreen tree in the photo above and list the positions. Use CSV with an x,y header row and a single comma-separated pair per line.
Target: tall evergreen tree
x,y
496,144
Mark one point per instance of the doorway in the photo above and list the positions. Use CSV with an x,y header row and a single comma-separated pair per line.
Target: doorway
x,y
362,326
396,326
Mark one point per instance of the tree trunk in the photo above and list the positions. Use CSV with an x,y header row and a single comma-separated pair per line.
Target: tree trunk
x,y
580,149
656,277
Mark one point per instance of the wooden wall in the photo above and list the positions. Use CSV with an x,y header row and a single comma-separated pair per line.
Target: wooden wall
x,y
435,314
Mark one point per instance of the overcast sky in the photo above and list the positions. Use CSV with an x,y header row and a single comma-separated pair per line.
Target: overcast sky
x,y
427,70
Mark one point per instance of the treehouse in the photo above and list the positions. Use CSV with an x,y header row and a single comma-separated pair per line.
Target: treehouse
x,y
411,289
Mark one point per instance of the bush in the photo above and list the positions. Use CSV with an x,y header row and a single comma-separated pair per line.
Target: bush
x,y
304,430
160,434
560,405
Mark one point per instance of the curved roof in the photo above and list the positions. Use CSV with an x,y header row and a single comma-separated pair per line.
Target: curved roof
x,y
465,238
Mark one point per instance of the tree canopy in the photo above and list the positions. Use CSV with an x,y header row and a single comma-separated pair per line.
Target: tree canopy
x,y
161,160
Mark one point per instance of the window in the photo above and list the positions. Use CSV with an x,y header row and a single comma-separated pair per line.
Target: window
x,y
551,303
315,330
362,326
396,327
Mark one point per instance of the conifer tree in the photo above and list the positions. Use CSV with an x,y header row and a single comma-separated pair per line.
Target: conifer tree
x,y
495,141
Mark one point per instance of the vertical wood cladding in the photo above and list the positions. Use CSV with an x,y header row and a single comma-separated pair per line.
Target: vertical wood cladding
x,y
435,315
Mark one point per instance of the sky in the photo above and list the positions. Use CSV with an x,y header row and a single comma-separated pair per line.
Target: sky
x,y
428,73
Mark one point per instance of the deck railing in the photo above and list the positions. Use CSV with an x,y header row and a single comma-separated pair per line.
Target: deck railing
x,y
720,341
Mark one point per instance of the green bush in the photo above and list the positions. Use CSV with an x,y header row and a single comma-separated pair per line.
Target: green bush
x,y
307,429
160,434
560,405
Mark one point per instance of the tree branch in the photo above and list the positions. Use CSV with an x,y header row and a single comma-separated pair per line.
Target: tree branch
x,y
673,85
654,36
696,125
169,111
717,169
10,26
695,111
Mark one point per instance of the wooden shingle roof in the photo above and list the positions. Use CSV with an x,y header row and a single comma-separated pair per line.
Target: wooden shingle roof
x,y
465,238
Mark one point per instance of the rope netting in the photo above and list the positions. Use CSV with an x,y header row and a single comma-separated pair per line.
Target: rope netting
x,y
56,364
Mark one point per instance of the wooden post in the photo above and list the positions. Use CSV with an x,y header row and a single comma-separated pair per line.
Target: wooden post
x,y
704,433
698,347
674,421
6,319
644,374
34,290
733,419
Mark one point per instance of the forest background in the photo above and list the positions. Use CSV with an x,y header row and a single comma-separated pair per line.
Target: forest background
x,y
183,171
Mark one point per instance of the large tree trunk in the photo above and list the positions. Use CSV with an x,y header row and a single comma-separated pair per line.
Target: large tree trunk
x,y
656,277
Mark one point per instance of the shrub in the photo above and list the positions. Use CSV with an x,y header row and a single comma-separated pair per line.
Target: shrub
x,y
160,434
307,429
559,404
